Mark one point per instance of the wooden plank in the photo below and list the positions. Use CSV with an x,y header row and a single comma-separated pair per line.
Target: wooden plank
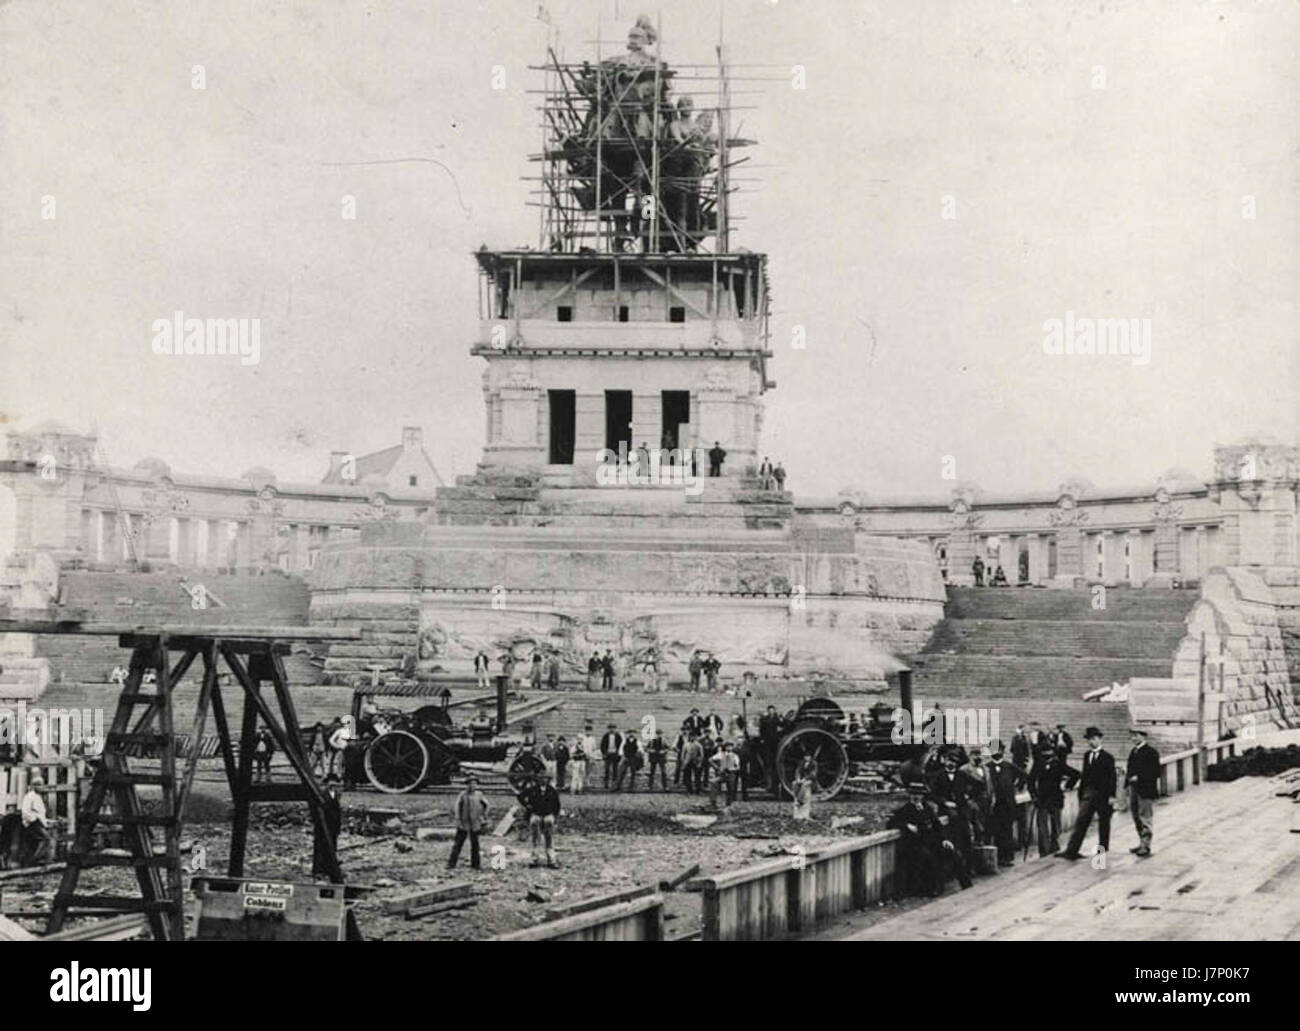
x,y
674,883
12,932
418,912
506,822
427,897
583,922
118,928
600,902
30,871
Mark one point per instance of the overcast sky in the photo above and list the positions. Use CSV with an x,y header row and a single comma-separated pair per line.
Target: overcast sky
x,y
924,334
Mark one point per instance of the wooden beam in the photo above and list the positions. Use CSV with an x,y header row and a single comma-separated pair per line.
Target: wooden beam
x,y
223,735
655,278
244,776
196,732
573,284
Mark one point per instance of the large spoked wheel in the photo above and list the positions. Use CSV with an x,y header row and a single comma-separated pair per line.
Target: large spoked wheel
x,y
827,753
525,768
397,762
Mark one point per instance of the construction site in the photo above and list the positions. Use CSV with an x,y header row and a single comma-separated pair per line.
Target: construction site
x,y
385,706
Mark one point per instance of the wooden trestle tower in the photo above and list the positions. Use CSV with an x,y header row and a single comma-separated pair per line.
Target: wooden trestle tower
x,y
143,731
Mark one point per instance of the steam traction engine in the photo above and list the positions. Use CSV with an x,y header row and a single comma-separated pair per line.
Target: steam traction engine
x,y
842,747
401,751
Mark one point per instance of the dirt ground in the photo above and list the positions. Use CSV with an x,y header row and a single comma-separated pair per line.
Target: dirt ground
x,y
399,844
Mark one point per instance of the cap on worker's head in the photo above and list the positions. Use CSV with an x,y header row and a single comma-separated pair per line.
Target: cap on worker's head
x,y
611,726
1060,726
471,779
695,710
915,787
1137,730
1092,732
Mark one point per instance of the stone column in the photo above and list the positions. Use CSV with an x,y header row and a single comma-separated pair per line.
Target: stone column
x,y
301,547
588,428
961,553
517,445
1256,484
1165,558
647,419
715,421
1069,555
155,539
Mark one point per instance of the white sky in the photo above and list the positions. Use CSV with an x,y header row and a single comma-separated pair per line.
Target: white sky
x,y
924,334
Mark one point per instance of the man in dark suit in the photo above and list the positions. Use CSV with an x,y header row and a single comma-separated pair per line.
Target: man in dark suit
x,y
1062,742
1096,789
611,750
1006,779
928,853
1020,750
1143,782
1048,781
716,455
951,792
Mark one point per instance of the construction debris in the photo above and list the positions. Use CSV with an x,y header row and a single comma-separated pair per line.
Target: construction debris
x,y
427,897
417,912
674,883
31,871
507,821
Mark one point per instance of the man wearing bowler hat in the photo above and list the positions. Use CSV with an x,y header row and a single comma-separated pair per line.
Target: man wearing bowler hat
x,y
1143,781
1096,789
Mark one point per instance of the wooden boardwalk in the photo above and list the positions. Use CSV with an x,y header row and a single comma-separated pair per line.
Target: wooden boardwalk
x,y
1226,866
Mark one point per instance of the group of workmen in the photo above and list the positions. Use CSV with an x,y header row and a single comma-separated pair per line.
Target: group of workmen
x,y
959,802
539,803
709,754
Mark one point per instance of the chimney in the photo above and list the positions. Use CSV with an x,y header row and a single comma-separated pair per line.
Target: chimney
x,y
412,437
336,464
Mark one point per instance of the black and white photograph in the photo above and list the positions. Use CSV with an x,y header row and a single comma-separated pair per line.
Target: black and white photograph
x,y
694,470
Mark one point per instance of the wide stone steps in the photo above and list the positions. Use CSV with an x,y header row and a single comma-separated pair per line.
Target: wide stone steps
x,y
967,676
1097,639
1073,604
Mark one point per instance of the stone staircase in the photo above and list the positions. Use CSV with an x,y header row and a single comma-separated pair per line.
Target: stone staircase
x,y
1031,654
728,502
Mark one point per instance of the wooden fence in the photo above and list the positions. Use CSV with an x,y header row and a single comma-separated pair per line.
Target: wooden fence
x,y
794,894
635,915
782,897
62,790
